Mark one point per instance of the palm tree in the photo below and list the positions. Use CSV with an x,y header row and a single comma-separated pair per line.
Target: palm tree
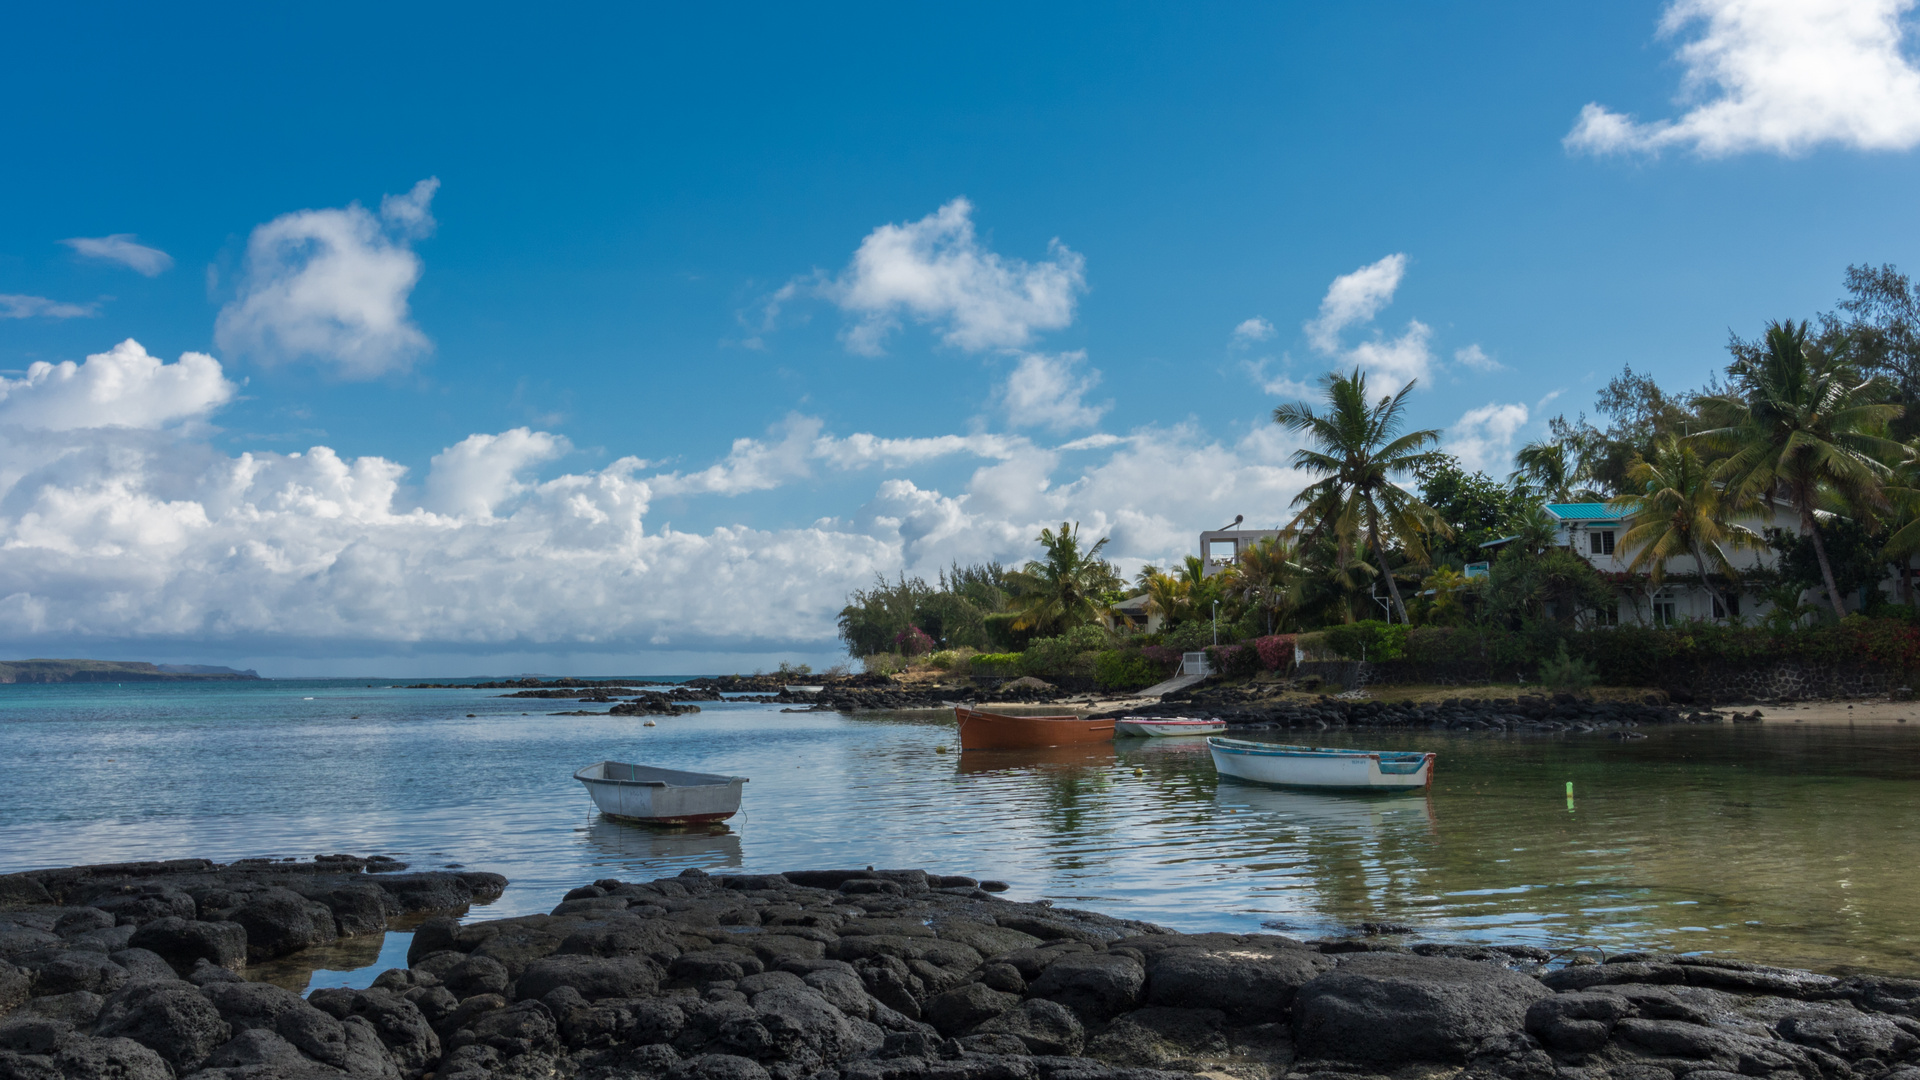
x,y
1168,597
1678,511
1269,578
1801,429
1357,450
1063,590
1536,531
1544,468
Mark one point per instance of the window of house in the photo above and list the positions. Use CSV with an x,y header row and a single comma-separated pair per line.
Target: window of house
x,y
1663,612
1730,609
1602,541
1222,552
1607,614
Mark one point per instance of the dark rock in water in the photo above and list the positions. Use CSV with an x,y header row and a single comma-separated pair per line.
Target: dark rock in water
x,y
1046,1027
171,1018
184,943
958,1011
1251,978
873,975
1096,986
1393,1010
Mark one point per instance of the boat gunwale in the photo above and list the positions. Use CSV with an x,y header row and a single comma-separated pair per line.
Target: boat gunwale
x,y
715,780
1254,749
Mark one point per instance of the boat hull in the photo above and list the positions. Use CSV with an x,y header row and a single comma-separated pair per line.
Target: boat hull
x,y
998,731
660,796
1153,728
1308,767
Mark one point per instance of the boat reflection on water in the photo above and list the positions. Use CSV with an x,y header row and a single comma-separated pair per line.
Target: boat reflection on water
x,y
1086,755
709,847
1324,809
1176,752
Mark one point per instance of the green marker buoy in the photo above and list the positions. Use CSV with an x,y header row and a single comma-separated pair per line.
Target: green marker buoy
x,y
1569,796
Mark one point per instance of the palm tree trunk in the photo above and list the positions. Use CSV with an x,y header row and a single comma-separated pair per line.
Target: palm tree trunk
x,y
1700,564
1380,553
1820,553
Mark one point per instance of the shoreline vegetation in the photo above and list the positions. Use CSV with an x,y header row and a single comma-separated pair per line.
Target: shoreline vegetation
x,y
1806,449
138,971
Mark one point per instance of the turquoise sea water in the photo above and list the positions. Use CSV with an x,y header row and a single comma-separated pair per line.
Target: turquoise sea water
x,y
1789,844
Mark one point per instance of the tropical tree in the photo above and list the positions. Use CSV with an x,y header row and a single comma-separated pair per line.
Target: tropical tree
x,y
1357,449
1332,583
1450,589
1801,429
1168,597
1065,588
1676,509
1536,532
1547,470
1268,580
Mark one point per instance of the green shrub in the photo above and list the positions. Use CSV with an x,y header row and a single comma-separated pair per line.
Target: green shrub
x,y
1564,672
884,663
1314,646
1065,654
1125,669
1369,639
956,661
994,664
1197,634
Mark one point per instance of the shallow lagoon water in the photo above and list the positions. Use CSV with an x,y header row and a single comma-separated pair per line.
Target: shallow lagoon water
x,y
1786,844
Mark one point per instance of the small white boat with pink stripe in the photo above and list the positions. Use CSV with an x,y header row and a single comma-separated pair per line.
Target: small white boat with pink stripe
x,y
1160,727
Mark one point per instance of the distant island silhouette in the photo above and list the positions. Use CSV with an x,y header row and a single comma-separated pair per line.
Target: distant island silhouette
x,y
83,671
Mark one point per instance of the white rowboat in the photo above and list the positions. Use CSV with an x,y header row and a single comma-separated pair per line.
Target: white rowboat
x,y
1314,767
1163,726
660,796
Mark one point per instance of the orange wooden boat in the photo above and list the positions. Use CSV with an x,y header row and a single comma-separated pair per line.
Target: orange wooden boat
x,y
998,731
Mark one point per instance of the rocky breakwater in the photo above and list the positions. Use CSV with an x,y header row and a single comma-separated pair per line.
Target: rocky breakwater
x,y
1563,713
129,970
906,975
897,696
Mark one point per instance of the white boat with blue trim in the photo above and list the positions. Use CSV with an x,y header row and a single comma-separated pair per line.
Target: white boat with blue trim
x,y
1321,767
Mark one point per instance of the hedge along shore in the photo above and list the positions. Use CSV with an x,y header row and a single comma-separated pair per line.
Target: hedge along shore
x,y
892,975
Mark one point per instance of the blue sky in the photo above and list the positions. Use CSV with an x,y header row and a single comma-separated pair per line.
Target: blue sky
x,y
1067,259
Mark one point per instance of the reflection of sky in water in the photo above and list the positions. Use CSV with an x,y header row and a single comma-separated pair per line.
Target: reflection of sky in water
x,y
1792,844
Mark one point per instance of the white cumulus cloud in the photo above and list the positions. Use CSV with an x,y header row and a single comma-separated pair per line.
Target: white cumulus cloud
x,y
1050,391
332,286
122,387
157,537
476,474
1483,438
1781,76
122,249
936,271
1353,300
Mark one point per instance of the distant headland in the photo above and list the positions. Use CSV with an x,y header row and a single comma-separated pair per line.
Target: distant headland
x,y
82,671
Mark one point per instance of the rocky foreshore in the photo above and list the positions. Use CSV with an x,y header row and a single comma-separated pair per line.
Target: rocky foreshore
x,y
1526,712
863,975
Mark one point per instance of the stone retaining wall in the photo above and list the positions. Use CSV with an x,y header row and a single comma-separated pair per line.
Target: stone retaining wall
x,y
1726,683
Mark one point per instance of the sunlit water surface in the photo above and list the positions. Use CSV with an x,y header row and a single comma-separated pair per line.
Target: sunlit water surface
x,y
1780,843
